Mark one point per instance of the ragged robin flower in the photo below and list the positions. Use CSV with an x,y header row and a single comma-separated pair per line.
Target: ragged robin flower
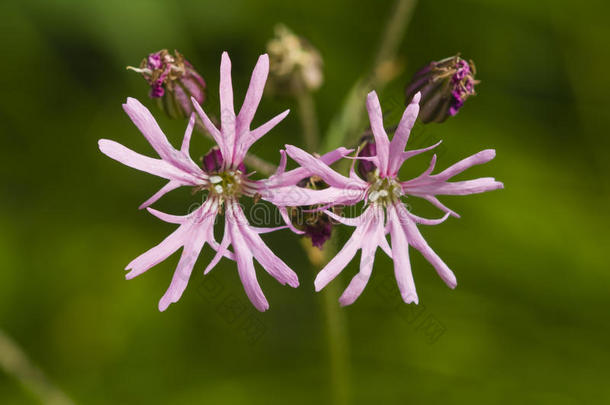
x,y
382,192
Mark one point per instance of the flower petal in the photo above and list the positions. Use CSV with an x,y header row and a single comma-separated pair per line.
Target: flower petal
x,y
345,255
298,196
157,254
186,141
227,111
146,164
374,237
401,136
171,185
483,156
270,262
146,123
211,128
319,168
416,240
254,94
381,137
250,137
196,238
400,254
245,265
292,177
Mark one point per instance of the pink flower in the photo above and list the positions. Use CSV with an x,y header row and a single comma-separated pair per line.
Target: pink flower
x,y
385,213
224,188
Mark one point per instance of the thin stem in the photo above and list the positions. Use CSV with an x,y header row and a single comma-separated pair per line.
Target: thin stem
x,y
335,322
348,123
392,37
309,120
16,363
336,326
252,161
260,165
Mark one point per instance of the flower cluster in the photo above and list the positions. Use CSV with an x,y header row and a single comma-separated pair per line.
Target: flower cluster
x,y
224,181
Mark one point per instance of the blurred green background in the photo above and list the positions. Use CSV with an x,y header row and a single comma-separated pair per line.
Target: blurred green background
x,y
528,321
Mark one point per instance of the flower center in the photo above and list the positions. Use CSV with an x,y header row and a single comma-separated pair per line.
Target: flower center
x,y
383,191
229,184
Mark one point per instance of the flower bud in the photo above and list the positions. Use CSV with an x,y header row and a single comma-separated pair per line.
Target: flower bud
x,y
444,85
173,81
212,161
316,224
295,65
367,148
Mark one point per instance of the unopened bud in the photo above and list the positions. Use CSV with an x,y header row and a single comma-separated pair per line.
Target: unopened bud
x,y
315,223
295,64
173,81
444,85
212,162
367,148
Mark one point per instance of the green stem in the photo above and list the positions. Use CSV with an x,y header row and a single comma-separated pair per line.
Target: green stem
x,y
348,124
309,121
16,363
335,324
336,329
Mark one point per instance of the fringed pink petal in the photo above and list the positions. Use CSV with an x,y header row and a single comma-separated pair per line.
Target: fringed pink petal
x,y
416,240
345,255
400,254
410,153
284,213
196,238
245,264
382,142
426,221
146,164
221,250
250,137
170,219
477,159
157,254
253,95
171,185
227,111
401,136
225,151
465,187
186,141
292,177
322,170
360,280
270,262
344,220
435,201
374,236
146,123
294,196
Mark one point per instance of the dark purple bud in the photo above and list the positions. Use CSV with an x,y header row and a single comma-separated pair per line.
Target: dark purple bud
x,y
444,85
173,81
316,224
212,161
367,148
320,231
